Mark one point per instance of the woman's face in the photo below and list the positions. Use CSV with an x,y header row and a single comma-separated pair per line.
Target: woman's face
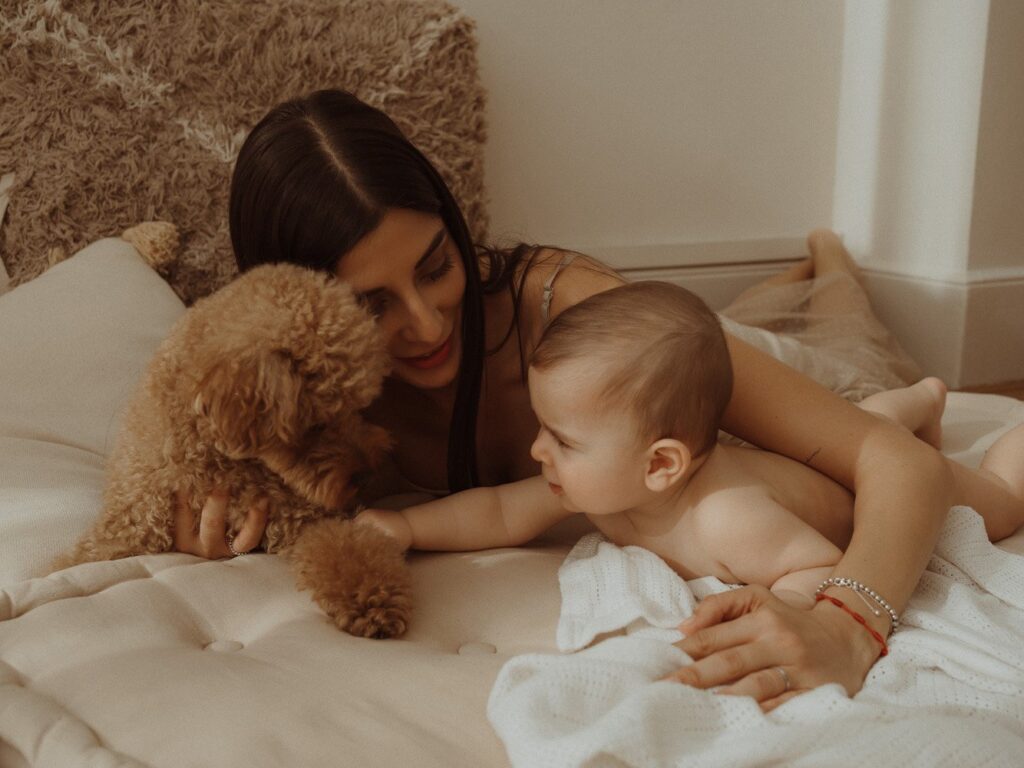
x,y
411,277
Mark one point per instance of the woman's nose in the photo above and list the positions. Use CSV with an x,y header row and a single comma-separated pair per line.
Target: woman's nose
x,y
425,321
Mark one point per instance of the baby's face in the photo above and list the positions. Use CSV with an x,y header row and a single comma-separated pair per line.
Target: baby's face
x,y
588,452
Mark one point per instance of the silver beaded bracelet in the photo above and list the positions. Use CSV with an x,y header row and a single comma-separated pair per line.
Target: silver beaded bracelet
x,y
861,590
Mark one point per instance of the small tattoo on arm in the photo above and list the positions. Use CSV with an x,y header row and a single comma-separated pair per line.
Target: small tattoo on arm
x,y
810,458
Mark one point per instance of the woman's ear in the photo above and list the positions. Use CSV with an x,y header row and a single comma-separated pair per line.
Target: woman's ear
x,y
668,460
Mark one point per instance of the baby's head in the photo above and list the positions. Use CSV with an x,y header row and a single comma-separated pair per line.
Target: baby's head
x,y
641,371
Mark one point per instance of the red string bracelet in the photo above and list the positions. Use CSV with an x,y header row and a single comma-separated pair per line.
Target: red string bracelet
x,y
840,604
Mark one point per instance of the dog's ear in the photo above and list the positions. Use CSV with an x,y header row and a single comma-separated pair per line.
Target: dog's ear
x,y
252,402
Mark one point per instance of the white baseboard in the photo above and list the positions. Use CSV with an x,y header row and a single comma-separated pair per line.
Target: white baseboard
x,y
968,330
707,254
968,333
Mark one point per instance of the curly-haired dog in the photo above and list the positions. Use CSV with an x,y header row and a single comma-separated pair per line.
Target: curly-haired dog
x,y
258,390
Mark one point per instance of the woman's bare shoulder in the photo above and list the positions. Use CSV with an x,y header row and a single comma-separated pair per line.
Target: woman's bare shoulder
x,y
581,277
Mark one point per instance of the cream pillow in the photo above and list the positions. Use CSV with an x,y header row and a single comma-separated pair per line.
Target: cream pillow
x,y
73,344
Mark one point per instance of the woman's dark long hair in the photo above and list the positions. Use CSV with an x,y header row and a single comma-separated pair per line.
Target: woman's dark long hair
x,y
315,176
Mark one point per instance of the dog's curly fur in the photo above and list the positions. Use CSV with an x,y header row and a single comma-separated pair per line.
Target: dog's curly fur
x,y
258,391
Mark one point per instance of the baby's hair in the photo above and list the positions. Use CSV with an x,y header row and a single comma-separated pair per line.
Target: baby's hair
x,y
660,352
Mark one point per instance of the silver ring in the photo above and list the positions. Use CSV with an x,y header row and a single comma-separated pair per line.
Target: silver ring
x,y
231,547
781,671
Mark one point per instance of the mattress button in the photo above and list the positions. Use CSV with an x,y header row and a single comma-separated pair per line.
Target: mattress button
x,y
476,649
224,645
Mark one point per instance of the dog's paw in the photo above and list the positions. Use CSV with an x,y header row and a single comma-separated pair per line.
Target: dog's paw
x,y
381,612
357,575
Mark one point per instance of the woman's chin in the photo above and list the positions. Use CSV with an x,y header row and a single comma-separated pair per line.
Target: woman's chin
x,y
426,379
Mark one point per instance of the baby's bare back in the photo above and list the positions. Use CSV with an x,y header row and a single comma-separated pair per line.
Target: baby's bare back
x,y
817,499
739,479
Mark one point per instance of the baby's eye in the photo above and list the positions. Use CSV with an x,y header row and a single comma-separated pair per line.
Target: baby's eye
x,y
561,443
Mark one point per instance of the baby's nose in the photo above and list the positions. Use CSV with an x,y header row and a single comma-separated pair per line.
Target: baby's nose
x,y
535,450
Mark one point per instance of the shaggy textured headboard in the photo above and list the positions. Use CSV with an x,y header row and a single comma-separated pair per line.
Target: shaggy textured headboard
x,y
122,111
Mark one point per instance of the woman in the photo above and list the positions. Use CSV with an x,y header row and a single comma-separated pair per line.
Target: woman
x,y
331,183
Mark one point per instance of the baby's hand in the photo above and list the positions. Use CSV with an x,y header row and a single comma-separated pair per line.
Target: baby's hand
x,y
393,524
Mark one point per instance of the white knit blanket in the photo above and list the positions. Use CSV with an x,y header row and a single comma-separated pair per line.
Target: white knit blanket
x,y
950,692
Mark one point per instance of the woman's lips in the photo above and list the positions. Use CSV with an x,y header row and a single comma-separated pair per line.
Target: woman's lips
x,y
555,489
438,357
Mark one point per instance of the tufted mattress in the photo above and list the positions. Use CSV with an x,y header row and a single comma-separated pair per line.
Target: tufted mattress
x,y
171,660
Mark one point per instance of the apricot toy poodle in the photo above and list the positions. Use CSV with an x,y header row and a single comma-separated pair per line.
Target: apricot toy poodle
x,y
258,390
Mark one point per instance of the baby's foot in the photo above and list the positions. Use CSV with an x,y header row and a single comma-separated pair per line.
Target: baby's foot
x,y
933,391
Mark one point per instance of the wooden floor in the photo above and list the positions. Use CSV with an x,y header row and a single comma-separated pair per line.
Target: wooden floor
x,y
1010,388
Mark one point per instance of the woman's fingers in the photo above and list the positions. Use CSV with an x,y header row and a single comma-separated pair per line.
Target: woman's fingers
x,y
769,704
724,606
721,654
775,651
213,526
763,685
734,639
212,540
184,523
252,529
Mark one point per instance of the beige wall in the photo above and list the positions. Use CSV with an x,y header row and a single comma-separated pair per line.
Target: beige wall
x,y
618,123
699,140
997,225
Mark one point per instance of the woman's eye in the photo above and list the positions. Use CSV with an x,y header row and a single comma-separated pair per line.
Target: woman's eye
x,y
377,305
441,271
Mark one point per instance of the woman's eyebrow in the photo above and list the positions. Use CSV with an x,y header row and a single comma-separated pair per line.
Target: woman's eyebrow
x,y
434,243
438,238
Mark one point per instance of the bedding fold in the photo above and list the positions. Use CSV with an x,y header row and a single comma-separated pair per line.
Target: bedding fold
x,y
958,660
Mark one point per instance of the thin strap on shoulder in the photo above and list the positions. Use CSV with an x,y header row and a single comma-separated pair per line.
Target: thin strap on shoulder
x,y
549,288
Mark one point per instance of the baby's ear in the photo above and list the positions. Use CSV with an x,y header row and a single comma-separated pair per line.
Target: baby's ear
x,y
251,403
667,462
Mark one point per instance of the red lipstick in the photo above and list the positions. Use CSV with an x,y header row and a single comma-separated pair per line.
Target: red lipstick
x,y
432,360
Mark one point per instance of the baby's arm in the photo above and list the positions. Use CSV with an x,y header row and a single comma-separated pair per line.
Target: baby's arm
x,y
759,541
480,518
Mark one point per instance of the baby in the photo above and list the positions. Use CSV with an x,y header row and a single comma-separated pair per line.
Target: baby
x,y
629,388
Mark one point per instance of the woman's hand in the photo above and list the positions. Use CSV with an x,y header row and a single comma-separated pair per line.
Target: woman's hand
x,y
754,644
212,541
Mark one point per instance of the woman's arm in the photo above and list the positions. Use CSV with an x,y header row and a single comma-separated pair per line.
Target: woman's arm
x,y
903,487
903,491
